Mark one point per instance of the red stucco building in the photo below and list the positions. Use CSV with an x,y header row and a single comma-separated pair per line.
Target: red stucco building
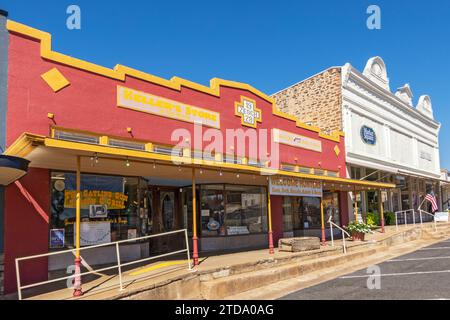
x,y
120,124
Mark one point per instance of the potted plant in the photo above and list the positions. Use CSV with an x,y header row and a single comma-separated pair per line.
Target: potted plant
x,y
358,230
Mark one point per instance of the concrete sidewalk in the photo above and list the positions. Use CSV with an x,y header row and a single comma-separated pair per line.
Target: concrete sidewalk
x,y
170,277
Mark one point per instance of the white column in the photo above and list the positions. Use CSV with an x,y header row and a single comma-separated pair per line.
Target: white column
x,y
347,124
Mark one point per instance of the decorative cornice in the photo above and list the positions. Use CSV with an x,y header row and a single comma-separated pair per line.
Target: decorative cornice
x,y
389,96
405,130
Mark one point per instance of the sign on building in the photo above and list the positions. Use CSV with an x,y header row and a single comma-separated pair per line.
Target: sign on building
x,y
368,135
149,103
295,187
296,140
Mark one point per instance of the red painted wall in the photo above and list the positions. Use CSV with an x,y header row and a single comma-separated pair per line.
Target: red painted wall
x,y
26,230
343,203
89,103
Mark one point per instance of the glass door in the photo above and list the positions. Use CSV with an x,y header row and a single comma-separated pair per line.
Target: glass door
x,y
167,206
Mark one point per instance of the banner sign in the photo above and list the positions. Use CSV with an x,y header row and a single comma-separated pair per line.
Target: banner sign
x,y
111,200
296,140
295,187
92,233
145,102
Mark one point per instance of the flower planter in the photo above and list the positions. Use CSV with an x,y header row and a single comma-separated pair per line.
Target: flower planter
x,y
358,236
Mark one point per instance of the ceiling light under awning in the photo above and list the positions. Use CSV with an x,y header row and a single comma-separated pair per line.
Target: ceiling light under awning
x,y
12,169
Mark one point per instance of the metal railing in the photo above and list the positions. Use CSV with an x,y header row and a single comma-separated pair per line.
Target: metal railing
x,y
342,231
118,266
429,214
405,216
412,212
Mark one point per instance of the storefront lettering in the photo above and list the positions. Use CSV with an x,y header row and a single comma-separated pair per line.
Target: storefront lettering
x,y
145,102
114,200
295,187
296,140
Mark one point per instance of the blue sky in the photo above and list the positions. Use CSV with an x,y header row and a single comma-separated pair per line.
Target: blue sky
x,y
268,44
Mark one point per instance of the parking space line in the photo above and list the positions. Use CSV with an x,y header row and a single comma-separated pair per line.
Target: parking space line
x,y
418,259
395,274
435,248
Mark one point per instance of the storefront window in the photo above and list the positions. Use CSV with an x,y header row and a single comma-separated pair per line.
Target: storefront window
x,y
288,218
110,209
232,210
310,208
355,173
331,206
304,213
395,200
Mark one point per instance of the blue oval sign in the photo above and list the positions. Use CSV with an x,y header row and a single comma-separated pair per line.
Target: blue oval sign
x,y
368,135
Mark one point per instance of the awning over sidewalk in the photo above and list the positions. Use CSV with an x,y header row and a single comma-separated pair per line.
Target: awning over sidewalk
x,y
57,154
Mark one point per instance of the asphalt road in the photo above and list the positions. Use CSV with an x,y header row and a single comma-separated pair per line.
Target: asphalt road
x,y
420,275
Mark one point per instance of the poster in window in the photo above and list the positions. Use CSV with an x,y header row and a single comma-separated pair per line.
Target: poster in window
x,y
92,233
57,238
132,233
98,211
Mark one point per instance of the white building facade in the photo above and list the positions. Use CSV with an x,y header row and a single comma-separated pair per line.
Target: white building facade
x,y
388,138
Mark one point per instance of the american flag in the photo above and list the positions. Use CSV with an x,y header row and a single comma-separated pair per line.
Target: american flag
x,y
432,199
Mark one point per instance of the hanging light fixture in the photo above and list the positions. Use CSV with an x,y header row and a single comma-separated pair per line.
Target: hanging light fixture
x,y
127,163
154,165
220,172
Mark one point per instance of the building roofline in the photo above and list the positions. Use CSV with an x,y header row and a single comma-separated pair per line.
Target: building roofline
x,y
310,77
392,96
120,72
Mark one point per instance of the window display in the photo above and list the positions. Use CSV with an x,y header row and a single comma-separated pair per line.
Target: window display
x,y
304,211
232,210
331,207
109,208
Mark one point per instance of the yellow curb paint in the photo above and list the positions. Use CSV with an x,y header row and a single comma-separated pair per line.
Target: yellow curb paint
x,y
158,266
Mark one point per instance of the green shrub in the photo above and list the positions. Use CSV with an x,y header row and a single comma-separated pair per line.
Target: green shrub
x,y
389,217
373,219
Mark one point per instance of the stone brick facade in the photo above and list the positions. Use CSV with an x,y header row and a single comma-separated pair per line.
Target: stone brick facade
x,y
316,101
